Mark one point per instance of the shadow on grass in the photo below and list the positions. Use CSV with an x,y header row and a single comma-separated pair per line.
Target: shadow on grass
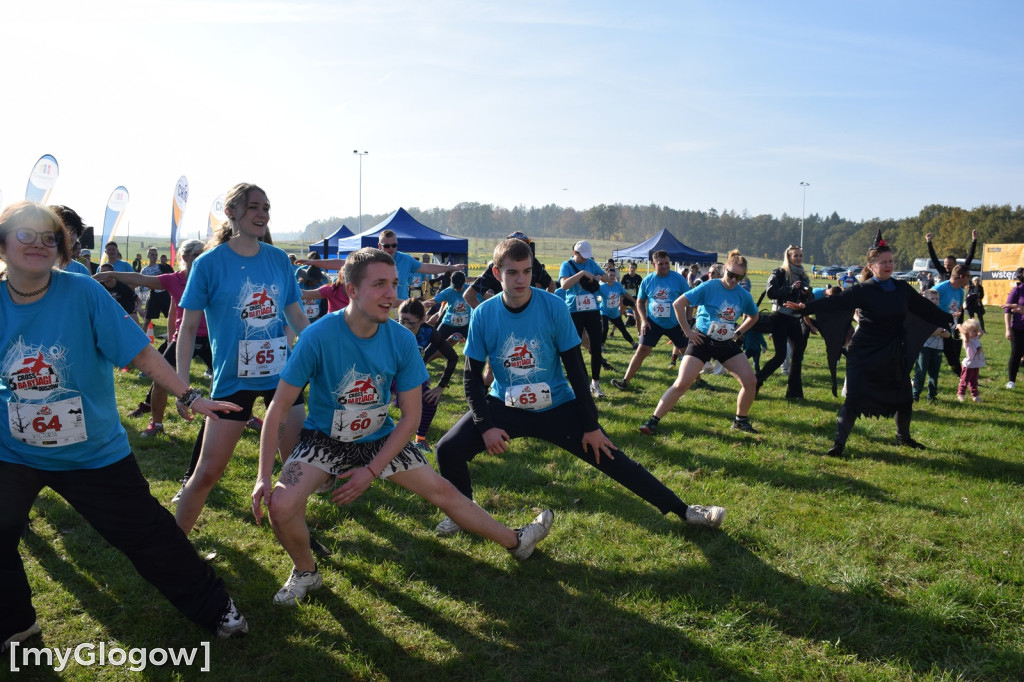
x,y
873,626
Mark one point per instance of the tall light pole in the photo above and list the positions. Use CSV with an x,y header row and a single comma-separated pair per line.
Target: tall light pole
x,y
803,212
360,155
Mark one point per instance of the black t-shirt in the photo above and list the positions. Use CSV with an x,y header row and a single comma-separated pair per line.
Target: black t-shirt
x,y
631,283
124,295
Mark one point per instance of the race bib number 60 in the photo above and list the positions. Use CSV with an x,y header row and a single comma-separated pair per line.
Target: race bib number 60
x,y
351,425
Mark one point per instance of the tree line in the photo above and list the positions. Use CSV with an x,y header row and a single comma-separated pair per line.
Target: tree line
x,y
827,240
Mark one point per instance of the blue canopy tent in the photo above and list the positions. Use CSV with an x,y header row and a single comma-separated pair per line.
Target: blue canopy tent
x,y
413,237
328,247
678,252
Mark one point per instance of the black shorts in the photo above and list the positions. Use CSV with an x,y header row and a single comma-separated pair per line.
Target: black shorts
x,y
246,399
709,349
447,331
159,303
675,334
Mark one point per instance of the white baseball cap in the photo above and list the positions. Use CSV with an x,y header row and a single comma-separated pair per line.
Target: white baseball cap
x,y
583,248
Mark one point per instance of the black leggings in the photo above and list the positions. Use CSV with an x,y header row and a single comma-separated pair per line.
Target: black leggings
x,y
617,321
1016,353
591,322
951,349
561,426
847,417
788,330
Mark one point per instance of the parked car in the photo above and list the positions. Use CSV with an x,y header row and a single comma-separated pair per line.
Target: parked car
x,y
832,271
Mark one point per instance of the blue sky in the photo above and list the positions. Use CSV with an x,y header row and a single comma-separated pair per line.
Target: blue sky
x,y
883,107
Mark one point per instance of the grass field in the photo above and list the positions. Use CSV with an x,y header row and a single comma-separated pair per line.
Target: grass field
x,y
887,565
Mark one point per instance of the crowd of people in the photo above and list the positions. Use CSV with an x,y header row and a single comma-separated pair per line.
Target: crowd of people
x,y
332,359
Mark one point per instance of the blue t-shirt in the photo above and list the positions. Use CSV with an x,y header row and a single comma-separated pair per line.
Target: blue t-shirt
x,y
122,266
59,411
524,347
611,297
719,306
818,292
406,265
78,268
577,298
660,292
457,312
352,374
951,299
244,298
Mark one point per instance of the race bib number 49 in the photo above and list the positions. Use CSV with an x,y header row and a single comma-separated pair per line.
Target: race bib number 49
x,y
528,396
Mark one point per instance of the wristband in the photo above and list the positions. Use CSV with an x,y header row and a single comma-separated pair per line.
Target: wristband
x,y
370,469
189,397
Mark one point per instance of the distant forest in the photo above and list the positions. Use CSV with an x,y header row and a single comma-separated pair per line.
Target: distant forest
x,y
829,240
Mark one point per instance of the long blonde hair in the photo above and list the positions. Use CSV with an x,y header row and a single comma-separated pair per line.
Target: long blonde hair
x,y
236,199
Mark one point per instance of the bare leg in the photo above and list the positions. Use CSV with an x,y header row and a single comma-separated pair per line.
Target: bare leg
x,y
689,370
438,491
636,361
739,367
287,511
219,443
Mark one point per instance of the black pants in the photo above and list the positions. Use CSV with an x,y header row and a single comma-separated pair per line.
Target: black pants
x,y
846,419
561,426
116,501
617,321
591,322
951,349
788,331
1016,353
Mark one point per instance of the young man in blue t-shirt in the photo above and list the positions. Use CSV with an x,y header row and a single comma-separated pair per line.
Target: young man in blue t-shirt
x,y
350,359
657,317
528,336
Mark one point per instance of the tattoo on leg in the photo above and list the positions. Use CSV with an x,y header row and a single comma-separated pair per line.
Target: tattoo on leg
x,y
291,474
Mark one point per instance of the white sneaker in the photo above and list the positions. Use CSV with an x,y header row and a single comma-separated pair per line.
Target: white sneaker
x,y
533,533
232,623
33,629
297,586
595,389
709,517
1010,385
447,527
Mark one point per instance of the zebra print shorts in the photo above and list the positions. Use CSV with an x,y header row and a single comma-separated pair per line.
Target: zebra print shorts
x,y
334,457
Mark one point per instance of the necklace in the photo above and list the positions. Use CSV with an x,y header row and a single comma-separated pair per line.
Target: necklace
x,y
30,294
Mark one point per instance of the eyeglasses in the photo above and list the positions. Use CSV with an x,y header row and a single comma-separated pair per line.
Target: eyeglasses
x,y
389,246
733,275
28,236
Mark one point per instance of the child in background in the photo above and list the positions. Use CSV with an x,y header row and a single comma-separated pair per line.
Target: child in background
x,y
975,360
929,362
753,344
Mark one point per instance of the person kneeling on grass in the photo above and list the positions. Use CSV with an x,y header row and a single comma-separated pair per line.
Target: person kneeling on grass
x,y
719,303
350,358
527,335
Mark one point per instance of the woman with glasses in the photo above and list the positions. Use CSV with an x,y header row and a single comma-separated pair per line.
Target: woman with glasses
x,y
61,335
786,284
720,303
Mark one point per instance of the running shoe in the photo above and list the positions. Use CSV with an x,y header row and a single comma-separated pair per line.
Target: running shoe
x,y
423,446
620,384
297,586
706,517
19,637
181,491
742,426
232,623
143,408
447,527
533,533
595,389
255,423
1010,385
650,427
153,429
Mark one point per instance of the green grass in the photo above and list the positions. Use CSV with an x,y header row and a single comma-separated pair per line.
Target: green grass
x,y
891,564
